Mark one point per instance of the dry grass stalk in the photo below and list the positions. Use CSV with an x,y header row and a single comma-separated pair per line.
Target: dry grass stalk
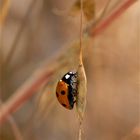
x,y
108,20
14,127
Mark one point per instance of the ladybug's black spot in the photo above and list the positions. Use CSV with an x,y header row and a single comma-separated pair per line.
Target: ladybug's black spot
x,y
63,92
64,105
57,94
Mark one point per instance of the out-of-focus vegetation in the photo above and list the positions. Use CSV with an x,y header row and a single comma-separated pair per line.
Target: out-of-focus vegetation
x,y
33,33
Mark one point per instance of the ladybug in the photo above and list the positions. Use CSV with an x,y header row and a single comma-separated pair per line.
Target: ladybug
x,y
66,89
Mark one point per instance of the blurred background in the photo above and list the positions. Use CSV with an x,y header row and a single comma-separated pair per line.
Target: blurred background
x,y
36,31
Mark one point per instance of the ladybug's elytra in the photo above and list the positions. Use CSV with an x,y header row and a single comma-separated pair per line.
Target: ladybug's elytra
x,y
66,89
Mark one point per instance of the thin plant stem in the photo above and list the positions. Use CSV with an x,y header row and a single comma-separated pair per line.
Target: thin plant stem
x,y
14,127
23,94
18,35
101,16
80,58
81,31
108,20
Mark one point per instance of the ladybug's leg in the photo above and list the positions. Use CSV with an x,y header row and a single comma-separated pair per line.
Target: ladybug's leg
x,y
75,93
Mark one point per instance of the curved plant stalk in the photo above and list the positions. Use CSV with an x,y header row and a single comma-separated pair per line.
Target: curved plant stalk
x,y
82,80
24,93
18,35
99,17
14,127
93,31
81,97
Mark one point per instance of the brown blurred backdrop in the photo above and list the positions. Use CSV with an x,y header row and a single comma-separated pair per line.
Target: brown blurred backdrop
x,y
112,67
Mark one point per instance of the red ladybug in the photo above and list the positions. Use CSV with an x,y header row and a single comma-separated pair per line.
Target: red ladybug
x,y
66,89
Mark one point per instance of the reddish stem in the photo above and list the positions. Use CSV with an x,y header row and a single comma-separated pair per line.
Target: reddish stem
x,y
114,15
14,127
22,95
